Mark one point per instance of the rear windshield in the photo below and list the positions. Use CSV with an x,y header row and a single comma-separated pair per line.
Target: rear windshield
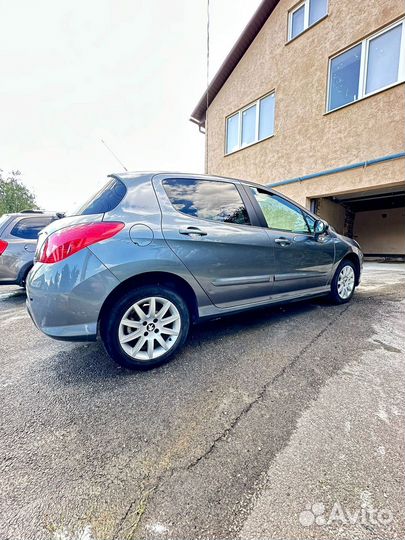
x,y
105,200
3,219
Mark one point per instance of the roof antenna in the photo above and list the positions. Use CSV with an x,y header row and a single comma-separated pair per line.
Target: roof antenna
x,y
208,86
115,155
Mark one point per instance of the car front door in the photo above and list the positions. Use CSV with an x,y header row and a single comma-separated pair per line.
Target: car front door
x,y
303,260
218,238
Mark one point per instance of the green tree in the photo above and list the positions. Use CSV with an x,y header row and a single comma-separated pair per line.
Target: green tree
x,y
14,196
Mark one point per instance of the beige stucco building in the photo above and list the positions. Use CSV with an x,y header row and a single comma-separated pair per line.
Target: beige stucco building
x,y
331,134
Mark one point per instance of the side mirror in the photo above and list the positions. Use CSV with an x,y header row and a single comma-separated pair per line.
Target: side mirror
x,y
320,227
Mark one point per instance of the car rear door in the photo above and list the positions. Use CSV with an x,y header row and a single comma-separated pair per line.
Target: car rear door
x,y
303,260
216,234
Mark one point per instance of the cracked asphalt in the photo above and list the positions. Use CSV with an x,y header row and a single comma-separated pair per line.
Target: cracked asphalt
x,y
279,423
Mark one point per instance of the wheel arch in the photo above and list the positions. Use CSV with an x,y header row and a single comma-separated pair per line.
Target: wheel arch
x,y
352,257
22,274
172,281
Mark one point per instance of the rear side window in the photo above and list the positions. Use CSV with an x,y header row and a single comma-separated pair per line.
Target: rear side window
x,y
29,228
216,201
105,200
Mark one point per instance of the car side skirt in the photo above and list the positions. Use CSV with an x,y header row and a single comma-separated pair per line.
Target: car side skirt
x,y
282,298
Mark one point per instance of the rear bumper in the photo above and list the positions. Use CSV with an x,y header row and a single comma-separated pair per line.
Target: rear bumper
x,y
64,299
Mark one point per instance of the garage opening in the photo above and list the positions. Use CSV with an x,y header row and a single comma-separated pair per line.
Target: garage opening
x,y
375,218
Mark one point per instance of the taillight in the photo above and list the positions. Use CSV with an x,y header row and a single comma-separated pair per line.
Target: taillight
x,y
3,246
61,244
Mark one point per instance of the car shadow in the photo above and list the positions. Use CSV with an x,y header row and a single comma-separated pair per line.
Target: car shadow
x,y
89,363
15,296
216,328
84,364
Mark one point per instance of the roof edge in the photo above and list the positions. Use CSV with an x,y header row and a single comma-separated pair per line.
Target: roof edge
x,y
233,58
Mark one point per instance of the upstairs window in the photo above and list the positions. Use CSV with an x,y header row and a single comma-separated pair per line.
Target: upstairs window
x,y
305,15
297,21
251,124
372,65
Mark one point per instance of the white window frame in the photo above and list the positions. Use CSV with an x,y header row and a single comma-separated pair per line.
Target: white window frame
x,y
365,45
239,113
305,3
290,18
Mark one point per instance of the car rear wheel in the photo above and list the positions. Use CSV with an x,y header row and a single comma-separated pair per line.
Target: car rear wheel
x,y
145,327
343,283
22,280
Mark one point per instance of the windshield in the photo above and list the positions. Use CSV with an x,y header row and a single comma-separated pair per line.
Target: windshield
x,y
104,200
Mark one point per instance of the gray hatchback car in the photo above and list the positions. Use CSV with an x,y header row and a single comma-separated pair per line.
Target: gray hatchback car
x,y
152,253
18,240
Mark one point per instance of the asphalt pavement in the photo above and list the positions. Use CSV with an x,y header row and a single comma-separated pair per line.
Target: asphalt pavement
x,y
280,423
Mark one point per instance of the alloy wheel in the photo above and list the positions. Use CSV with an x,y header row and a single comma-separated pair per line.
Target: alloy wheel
x,y
149,328
345,284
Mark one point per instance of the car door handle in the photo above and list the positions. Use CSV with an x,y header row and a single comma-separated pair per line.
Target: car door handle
x,y
192,230
283,242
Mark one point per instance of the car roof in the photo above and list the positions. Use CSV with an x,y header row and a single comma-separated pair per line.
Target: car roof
x,y
148,175
14,217
27,213
142,175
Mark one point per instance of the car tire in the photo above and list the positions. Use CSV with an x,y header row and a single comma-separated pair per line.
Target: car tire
x,y
343,283
116,334
23,279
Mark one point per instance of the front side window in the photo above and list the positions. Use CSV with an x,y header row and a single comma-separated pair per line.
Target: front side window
x,y
29,228
305,15
251,124
280,214
369,66
206,199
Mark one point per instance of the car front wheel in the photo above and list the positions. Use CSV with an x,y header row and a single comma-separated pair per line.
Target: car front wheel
x,y
145,327
343,283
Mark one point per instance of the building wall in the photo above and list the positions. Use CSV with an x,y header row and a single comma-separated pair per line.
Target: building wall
x,y
385,174
381,231
306,139
333,213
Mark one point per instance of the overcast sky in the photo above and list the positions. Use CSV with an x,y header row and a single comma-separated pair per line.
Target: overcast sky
x,y
128,71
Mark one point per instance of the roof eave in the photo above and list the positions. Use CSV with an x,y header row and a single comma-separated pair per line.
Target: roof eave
x,y
244,41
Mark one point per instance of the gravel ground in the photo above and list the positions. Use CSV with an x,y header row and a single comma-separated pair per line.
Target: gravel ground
x,y
282,423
